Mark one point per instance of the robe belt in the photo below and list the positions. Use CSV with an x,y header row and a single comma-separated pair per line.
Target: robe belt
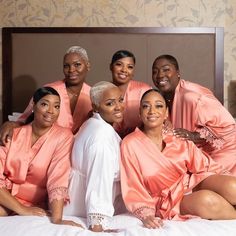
x,y
169,200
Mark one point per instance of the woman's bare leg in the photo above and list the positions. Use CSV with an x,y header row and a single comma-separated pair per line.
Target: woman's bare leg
x,y
4,211
208,205
224,185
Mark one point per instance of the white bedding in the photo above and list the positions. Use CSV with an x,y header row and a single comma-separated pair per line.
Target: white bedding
x,y
127,225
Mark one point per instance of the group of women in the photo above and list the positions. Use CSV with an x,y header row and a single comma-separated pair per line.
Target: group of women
x,y
161,153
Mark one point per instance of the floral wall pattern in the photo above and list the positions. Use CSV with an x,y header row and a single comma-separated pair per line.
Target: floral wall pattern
x,y
133,13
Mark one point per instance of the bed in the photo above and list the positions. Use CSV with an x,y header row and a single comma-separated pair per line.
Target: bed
x,y
126,224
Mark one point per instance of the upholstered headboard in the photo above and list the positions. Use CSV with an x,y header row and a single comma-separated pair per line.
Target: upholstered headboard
x,y
33,56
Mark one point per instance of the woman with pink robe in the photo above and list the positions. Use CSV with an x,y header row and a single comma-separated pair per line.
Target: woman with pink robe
x,y
67,119
74,94
196,114
35,164
165,177
122,69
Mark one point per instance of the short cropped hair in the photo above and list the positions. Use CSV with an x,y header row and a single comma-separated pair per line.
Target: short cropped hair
x,y
79,50
169,58
98,89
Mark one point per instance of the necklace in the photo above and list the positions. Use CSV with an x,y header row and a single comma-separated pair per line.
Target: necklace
x,y
157,141
169,98
72,94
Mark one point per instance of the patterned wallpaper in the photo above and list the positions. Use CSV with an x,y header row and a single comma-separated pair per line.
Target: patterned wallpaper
x,y
132,13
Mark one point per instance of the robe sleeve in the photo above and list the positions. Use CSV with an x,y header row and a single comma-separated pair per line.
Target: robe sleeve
x,y
213,123
135,194
59,169
200,164
3,157
101,170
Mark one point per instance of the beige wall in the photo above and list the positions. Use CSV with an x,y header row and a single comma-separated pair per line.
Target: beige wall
x,y
133,13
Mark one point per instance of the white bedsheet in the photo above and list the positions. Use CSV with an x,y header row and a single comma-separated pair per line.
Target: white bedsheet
x,y
127,225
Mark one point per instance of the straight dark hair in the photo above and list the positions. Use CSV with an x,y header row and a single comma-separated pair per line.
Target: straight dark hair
x,y
152,90
122,54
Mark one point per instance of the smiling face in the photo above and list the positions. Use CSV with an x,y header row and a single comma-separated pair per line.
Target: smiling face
x,y
165,76
75,68
46,111
111,106
153,110
122,70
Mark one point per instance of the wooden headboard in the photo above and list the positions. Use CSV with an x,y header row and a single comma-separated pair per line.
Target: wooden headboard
x,y
33,56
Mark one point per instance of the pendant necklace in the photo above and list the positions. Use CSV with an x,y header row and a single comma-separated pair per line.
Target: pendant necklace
x,y
72,94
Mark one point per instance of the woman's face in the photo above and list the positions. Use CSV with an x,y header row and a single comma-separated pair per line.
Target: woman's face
x,y
75,69
165,76
153,110
111,106
122,70
46,110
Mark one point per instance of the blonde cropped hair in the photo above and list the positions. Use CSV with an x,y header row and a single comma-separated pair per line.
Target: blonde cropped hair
x,y
97,91
79,50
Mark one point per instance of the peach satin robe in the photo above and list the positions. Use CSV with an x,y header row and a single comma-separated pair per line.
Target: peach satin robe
x,y
196,109
154,182
132,98
66,119
32,173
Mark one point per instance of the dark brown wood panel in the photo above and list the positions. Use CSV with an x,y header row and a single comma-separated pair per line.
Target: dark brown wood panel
x,y
33,56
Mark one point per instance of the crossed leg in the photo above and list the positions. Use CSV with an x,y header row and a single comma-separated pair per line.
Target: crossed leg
x,y
4,211
214,199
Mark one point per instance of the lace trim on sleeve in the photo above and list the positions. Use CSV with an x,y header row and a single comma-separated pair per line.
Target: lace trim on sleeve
x,y
211,138
58,194
143,212
5,183
2,183
98,219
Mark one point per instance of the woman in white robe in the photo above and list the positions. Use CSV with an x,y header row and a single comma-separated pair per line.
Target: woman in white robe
x,y
94,184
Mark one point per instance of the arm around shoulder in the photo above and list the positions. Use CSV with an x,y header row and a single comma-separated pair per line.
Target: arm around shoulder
x,y
6,131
